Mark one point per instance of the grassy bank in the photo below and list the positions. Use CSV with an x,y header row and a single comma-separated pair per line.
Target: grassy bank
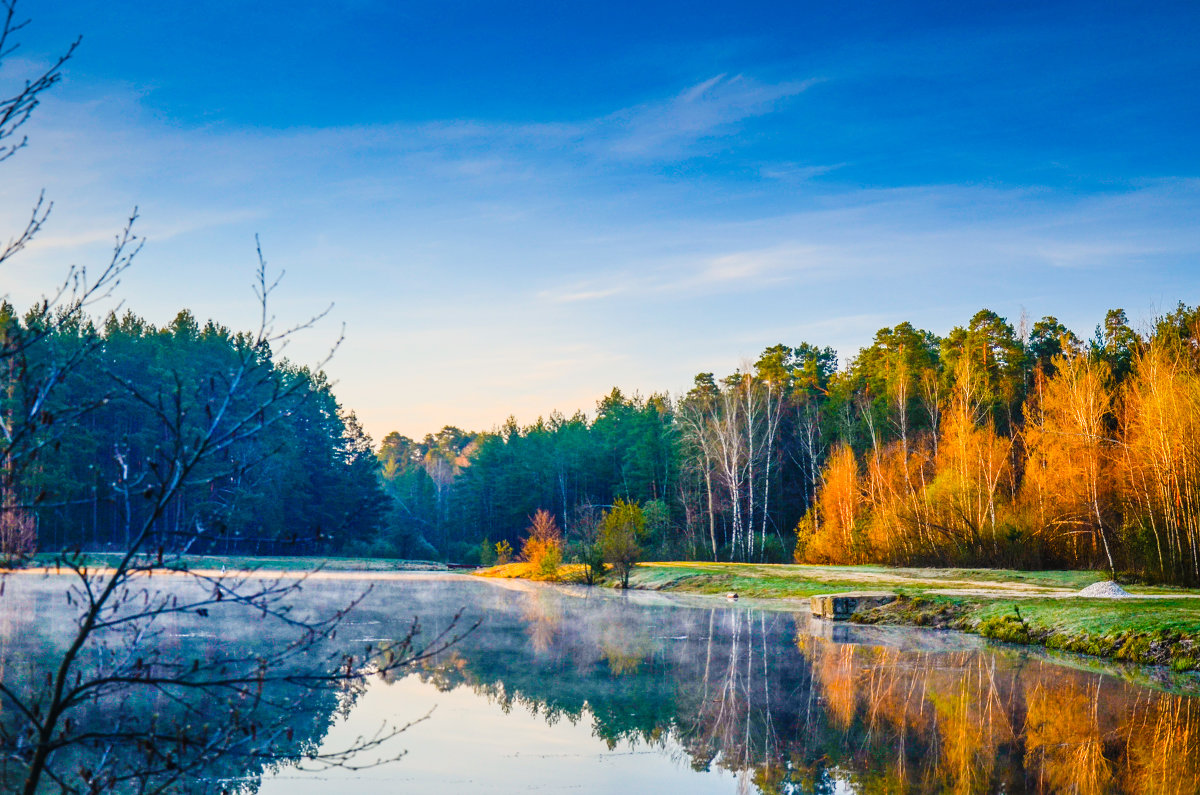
x,y
1033,608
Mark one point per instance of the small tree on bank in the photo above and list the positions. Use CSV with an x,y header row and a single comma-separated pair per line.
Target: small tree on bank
x,y
584,547
621,529
543,549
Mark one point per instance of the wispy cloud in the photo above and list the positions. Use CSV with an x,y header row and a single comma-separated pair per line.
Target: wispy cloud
x,y
570,296
707,110
867,238
797,172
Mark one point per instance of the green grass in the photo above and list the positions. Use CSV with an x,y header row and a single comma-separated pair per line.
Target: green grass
x,y
1158,632
1100,615
751,579
716,578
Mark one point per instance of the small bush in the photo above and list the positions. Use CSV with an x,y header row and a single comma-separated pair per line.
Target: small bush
x,y
620,530
804,535
1008,627
487,553
504,553
591,555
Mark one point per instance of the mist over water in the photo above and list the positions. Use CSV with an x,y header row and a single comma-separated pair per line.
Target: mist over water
x,y
591,690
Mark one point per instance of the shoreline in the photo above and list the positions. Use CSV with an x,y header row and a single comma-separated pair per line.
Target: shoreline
x,y
1156,626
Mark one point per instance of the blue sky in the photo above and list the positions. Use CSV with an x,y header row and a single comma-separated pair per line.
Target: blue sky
x,y
515,207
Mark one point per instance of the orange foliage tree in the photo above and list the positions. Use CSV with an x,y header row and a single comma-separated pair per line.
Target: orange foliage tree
x,y
1161,465
833,531
1069,477
973,466
543,548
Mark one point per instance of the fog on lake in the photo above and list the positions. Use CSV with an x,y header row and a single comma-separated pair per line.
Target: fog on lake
x,y
593,690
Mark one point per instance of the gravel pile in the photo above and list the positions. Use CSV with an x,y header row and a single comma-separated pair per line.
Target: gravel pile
x,y
1105,590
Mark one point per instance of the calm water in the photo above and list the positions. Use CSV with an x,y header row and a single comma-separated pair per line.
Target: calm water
x,y
598,691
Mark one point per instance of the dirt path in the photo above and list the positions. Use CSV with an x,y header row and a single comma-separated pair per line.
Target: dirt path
x,y
947,585
963,586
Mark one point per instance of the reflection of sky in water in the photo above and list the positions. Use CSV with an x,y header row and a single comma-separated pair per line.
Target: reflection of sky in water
x,y
469,744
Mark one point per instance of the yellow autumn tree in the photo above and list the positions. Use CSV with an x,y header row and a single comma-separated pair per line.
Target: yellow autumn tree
x,y
974,469
832,530
542,549
1068,483
1161,463
898,528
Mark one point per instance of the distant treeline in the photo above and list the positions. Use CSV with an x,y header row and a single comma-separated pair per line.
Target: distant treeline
x,y
128,399
992,445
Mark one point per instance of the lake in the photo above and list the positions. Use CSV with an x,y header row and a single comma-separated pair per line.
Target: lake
x,y
592,690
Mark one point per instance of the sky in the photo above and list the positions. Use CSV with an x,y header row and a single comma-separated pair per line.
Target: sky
x,y
514,207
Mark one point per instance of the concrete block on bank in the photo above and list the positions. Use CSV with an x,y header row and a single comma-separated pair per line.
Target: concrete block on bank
x,y
840,606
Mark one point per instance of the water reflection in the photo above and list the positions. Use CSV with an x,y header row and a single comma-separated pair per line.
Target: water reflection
x,y
983,721
763,700
195,701
796,706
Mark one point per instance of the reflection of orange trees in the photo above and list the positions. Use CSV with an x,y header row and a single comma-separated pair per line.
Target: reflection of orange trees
x,y
919,720
1064,741
972,726
835,672
543,615
1164,748
963,722
895,708
877,720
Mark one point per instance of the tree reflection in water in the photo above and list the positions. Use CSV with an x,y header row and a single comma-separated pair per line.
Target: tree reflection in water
x,y
786,704
987,721
794,706
201,700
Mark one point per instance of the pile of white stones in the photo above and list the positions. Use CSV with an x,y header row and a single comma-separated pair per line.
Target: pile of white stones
x,y
1105,590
